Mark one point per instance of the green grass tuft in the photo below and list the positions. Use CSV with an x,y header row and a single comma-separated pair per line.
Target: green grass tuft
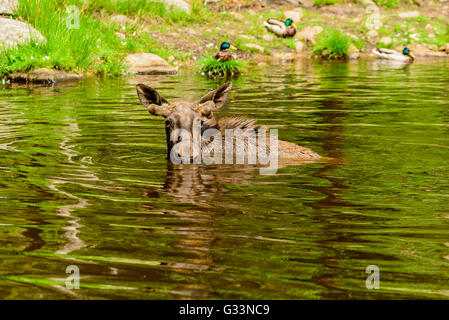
x,y
211,67
326,2
390,4
149,9
333,44
94,46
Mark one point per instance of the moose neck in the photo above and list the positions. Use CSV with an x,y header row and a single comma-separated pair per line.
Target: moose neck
x,y
169,143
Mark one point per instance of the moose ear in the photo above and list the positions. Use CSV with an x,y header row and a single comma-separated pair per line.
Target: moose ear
x,y
218,96
148,95
152,100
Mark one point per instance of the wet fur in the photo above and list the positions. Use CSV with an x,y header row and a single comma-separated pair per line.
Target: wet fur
x,y
182,114
287,150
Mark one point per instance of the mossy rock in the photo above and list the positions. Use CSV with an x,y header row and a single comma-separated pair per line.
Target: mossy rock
x,y
43,76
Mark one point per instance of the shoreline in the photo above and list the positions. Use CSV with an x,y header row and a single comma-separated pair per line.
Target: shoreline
x,y
176,40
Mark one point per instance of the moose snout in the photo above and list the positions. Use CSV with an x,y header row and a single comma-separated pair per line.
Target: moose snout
x,y
184,151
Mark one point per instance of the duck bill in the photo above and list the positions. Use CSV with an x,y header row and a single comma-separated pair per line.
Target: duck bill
x,y
411,55
232,47
294,25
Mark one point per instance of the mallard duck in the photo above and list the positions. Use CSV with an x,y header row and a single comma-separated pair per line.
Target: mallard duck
x,y
224,54
405,56
281,28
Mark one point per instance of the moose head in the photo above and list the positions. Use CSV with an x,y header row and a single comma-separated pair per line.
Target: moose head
x,y
183,120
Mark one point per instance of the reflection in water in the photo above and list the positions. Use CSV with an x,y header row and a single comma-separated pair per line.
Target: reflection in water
x,y
332,140
200,186
84,181
72,230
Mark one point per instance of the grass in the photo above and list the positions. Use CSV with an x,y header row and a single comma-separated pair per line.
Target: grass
x,y
326,2
211,67
94,46
99,46
413,30
391,4
332,44
91,46
147,8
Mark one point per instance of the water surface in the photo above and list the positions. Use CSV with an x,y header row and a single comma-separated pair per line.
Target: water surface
x,y
84,181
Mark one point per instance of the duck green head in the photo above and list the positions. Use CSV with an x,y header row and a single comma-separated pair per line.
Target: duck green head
x,y
288,22
407,52
226,45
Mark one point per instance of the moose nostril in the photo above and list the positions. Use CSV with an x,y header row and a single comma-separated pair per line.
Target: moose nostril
x,y
179,139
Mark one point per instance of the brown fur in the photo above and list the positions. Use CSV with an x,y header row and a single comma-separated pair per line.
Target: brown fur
x,y
183,115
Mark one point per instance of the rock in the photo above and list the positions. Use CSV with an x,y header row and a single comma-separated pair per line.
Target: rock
x,y
267,37
190,32
178,4
122,36
306,3
7,7
295,15
353,37
432,47
414,36
386,40
429,27
171,59
367,3
353,52
372,34
255,47
43,76
408,14
237,16
310,33
431,35
445,48
148,63
284,56
299,46
245,36
13,33
120,19
206,2
325,54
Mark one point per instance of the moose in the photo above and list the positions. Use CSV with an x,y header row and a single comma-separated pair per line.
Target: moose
x,y
186,120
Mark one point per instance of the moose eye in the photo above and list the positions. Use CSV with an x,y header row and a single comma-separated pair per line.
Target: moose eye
x,y
168,122
201,123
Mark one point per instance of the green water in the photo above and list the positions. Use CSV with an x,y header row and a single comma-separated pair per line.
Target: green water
x,y
84,181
